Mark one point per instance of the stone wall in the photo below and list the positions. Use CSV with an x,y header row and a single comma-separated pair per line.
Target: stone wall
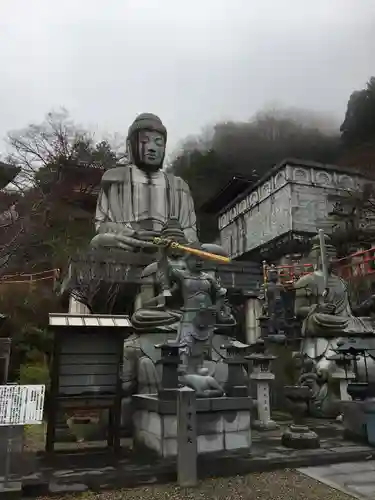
x,y
292,197
216,431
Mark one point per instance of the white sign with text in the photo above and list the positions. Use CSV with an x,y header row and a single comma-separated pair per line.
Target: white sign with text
x,y
21,404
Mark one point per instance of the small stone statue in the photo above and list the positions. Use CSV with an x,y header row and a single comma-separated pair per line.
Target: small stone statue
x,y
170,257
323,402
204,385
162,308
137,200
273,292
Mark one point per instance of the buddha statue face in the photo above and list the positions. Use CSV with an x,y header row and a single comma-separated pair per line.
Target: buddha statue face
x,y
151,147
146,142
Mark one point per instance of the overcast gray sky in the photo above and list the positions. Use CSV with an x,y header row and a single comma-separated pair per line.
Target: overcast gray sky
x,y
192,62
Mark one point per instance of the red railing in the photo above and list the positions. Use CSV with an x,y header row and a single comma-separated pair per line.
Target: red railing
x,y
50,274
354,266
290,273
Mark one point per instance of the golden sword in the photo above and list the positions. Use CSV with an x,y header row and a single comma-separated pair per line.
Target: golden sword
x,y
194,251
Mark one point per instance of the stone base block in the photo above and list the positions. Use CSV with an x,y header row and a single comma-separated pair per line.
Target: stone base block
x,y
271,425
11,490
225,429
300,437
354,420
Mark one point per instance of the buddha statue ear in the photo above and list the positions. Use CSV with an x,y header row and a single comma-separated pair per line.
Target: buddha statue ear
x,y
129,151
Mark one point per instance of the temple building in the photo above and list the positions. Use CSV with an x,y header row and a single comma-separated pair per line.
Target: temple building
x,y
277,215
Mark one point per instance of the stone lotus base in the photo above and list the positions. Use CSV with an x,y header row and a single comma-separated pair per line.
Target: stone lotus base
x,y
223,424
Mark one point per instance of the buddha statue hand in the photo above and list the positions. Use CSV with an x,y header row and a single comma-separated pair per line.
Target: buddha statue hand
x,y
326,308
118,240
144,235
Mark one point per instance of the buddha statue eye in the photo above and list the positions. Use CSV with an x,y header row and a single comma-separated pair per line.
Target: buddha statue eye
x,y
144,138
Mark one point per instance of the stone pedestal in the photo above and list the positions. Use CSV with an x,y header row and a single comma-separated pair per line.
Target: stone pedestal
x,y
298,435
253,309
222,424
262,376
264,421
170,360
13,462
343,373
186,438
355,420
237,383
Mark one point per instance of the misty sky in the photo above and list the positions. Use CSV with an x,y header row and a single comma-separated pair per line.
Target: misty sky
x,y
192,62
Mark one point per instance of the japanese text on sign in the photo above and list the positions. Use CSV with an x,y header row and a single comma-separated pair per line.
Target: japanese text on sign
x,y
21,404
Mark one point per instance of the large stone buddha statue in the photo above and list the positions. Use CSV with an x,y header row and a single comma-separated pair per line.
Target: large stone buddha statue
x,y
137,200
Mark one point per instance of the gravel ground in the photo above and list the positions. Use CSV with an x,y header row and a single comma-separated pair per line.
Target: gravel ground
x,y
281,485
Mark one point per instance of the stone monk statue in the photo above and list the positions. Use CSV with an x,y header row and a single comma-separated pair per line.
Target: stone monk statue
x,y
322,302
137,200
324,306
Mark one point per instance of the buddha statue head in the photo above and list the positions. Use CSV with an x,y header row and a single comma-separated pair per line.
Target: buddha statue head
x,y
146,142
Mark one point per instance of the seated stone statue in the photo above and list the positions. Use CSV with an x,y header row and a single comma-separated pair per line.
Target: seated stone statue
x,y
164,304
204,385
153,310
136,200
325,310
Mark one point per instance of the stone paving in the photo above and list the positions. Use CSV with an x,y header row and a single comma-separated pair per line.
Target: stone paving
x,y
79,469
354,478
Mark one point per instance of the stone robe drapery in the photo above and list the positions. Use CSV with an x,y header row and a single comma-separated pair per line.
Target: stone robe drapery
x,y
309,292
132,200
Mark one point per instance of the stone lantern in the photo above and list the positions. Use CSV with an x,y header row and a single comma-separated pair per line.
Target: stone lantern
x,y
170,361
261,374
237,383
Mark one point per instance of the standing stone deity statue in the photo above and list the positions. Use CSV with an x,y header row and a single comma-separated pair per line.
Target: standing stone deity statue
x,y
204,306
273,294
138,199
